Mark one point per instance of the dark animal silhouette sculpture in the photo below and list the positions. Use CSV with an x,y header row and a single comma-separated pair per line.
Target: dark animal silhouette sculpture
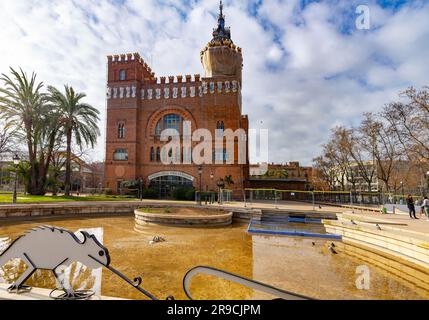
x,y
48,248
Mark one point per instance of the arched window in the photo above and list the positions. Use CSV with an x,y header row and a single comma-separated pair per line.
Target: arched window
x,y
164,155
184,156
158,129
190,155
177,155
220,125
220,128
121,131
152,154
172,121
158,154
122,75
169,121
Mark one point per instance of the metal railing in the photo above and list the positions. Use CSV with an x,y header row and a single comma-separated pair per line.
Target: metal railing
x,y
371,199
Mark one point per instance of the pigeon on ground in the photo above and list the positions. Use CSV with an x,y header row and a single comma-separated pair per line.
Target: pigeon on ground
x,y
378,227
331,248
157,239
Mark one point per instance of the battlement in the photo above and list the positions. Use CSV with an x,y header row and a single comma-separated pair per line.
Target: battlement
x,y
129,57
225,43
176,88
178,79
123,60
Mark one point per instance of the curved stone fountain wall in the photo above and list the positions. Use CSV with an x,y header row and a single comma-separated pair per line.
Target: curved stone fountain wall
x,y
203,220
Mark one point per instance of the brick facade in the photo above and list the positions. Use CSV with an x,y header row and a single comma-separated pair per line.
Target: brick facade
x,y
139,103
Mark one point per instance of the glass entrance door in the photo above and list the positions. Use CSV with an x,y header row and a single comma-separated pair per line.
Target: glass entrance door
x,y
167,184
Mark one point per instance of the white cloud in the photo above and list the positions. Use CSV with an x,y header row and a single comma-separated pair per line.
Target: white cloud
x,y
302,75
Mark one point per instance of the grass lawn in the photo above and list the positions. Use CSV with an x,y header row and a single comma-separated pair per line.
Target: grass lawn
x,y
7,198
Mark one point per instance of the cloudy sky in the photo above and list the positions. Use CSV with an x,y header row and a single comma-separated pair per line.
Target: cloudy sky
x,y
307,68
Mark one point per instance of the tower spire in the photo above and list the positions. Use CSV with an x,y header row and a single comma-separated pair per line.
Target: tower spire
x,y
221,32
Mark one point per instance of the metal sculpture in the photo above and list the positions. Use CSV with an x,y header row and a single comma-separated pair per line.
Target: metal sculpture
x,y
49,248
282,294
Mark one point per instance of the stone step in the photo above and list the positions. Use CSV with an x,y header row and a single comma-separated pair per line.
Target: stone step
x,y
403,245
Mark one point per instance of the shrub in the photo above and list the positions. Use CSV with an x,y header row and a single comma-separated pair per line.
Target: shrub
x,y
150,194
184,194
190,195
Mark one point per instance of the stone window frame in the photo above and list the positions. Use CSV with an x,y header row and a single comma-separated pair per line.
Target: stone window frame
x,y
121,151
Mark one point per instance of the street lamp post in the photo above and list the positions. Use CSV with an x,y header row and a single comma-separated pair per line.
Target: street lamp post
x,y
314,199
200,173
16,161
402,191
221,185
212,195
141,188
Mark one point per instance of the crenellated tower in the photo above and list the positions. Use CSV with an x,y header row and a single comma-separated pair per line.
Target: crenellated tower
x,y
221,57
141,105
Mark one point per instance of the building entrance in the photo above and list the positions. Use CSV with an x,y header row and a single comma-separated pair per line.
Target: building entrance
x,y
168,183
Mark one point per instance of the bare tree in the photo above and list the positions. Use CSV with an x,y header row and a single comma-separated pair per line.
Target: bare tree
x,y
370,151
410,122
366,146
7,140
324,172
392,145
338,149
386,148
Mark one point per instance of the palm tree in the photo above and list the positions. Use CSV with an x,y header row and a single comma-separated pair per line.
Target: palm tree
x,y
78,120
283,174
228,180
23,108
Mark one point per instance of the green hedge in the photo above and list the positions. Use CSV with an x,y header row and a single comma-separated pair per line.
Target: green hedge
x,y
184,194
150,193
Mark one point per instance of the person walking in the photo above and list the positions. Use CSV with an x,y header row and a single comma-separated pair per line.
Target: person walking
x,y
426,207
411,207
422,207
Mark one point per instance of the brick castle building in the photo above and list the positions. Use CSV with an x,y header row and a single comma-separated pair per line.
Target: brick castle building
x,y
140,106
